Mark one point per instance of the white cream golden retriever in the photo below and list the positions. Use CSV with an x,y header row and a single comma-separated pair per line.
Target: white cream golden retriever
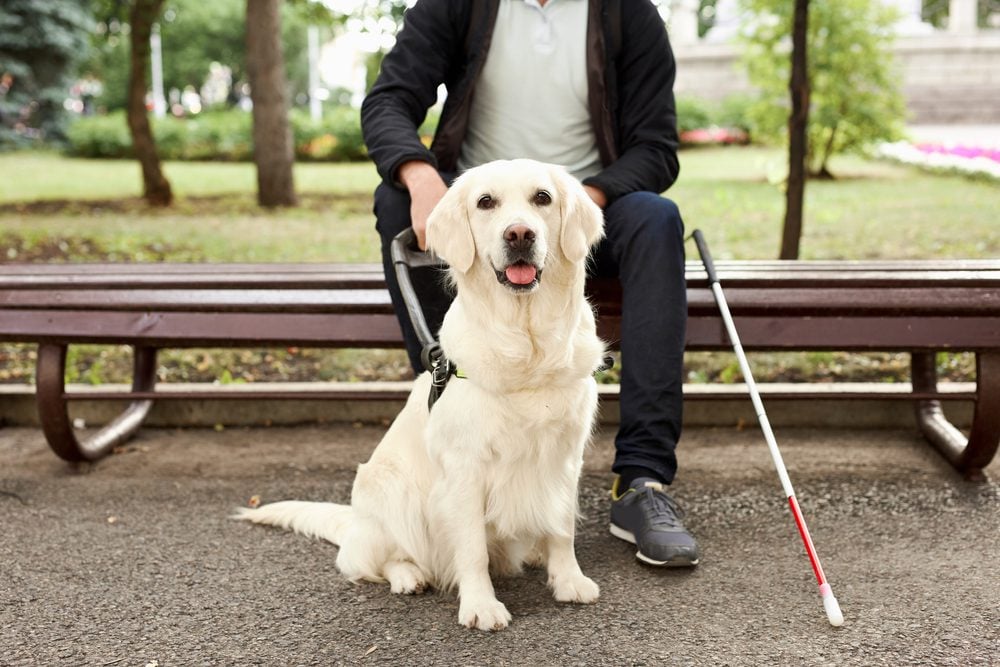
x,y
487,479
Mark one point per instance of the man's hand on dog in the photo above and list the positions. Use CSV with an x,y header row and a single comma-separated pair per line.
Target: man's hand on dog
x,y
426,189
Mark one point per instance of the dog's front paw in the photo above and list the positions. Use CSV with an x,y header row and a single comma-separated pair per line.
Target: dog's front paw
x,y
484,614
405,578
576,588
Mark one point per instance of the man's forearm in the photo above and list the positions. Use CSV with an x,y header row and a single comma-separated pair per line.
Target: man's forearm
x,y
417,173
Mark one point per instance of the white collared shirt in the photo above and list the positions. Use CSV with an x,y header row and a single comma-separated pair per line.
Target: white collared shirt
x,y
531,98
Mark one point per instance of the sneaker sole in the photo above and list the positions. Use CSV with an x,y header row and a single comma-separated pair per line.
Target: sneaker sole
x,y
623,534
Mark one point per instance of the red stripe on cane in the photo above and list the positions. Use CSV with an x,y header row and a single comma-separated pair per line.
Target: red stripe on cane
x,y
807,540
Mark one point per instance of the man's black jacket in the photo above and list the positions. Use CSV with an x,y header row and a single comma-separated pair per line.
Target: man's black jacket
x,y
630,72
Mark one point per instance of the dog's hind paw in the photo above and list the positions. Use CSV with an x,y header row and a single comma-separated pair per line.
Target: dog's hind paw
x,y
578,588
489,614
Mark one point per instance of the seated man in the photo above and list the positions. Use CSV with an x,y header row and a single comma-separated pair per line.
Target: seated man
x,y
586,84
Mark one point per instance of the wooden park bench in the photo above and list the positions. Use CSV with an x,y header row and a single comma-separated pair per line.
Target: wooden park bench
x,y
919,307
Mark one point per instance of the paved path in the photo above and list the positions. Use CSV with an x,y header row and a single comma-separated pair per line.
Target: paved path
x,y
133,561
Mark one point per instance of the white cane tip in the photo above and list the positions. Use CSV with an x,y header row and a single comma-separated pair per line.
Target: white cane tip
x,y
833,613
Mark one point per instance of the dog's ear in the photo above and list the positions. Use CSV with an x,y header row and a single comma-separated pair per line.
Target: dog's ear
x,y
582,219
449,232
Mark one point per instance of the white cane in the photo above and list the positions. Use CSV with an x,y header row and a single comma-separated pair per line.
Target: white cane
x,y
830,604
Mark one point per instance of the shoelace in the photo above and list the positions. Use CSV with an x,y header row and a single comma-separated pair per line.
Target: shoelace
x,y
664,509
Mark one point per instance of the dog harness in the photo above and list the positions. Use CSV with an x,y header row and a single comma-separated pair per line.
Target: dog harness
x,y
442,370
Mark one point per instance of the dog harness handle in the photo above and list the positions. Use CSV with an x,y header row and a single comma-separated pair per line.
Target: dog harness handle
x,y
405,256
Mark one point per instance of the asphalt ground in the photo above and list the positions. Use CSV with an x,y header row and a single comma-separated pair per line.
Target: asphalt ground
x,y
133,561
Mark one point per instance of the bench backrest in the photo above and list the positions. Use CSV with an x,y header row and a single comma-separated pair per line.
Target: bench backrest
x,y
778,304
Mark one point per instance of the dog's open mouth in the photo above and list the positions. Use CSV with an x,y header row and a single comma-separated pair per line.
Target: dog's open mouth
x,y
520,275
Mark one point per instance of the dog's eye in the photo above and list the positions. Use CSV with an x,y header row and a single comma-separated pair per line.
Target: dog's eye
x,y
542,198
486,202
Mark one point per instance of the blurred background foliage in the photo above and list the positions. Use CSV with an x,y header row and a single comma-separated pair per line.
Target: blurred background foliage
x,y
855,98
195,34
42,42
49,46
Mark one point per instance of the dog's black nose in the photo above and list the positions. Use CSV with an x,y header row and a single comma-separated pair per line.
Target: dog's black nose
x,y
519,237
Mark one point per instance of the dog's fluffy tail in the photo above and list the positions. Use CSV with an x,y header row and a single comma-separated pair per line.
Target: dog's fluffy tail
x,y
326,521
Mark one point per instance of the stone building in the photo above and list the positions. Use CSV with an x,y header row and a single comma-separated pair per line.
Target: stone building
x,y
950,75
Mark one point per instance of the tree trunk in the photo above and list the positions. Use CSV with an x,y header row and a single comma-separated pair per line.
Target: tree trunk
x,y
155,186
798,123
823,171
272,136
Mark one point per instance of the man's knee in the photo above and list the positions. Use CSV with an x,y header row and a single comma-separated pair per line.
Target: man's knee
x,y
647,217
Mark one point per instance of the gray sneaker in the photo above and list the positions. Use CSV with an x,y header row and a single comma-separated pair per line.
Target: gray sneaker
x,y
650,519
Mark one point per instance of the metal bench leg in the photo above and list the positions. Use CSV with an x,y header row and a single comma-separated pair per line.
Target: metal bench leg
x,y
968,455
54,414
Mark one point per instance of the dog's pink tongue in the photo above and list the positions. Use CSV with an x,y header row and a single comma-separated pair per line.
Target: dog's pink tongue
x,y
521,274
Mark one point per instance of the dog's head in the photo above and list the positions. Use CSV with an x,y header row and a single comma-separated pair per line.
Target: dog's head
x,y
513,218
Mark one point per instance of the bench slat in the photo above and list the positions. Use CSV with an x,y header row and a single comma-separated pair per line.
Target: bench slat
x,y
785,300
182,268
339,277
349,276
163,329
375,280
255,300
240,329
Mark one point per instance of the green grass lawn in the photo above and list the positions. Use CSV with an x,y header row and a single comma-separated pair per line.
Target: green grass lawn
x,y
54,208
872,210
32,176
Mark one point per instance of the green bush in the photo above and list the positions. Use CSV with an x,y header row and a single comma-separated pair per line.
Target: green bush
x,y
100,137
221,135
704,122
692,114
334,138
734,112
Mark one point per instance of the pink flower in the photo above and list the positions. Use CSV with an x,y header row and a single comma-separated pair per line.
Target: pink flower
x,y
956,150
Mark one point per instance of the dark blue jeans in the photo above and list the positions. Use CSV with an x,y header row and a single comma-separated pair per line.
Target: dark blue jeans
x,y
644,248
